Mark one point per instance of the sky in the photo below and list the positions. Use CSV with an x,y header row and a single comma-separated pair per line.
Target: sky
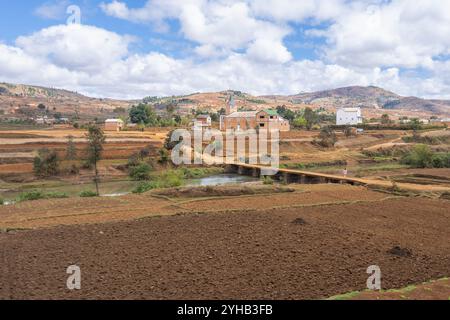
x,y
131,49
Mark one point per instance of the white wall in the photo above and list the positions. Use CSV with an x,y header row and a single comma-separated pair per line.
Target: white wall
x,y
345,118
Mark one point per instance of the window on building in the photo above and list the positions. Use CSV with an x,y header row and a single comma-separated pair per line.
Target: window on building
x,y
262,125
261,117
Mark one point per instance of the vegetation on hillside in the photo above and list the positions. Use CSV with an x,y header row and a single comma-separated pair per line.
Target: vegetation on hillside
x,y
421,156
46,163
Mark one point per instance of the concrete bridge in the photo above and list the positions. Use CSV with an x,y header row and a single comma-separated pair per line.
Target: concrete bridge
x,y
291,176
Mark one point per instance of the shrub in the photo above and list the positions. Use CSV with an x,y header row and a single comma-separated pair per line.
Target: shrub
x,y
2,202
56,195
88,194
46,164
31,195
36,195
327,138
146,186
193,173
164,156
441,160
267,180
168,179
140,172
420,157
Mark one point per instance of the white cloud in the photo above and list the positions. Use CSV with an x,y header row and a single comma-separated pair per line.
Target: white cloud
x,y
52,10
217,27
390,34
136,75
240,45
76,47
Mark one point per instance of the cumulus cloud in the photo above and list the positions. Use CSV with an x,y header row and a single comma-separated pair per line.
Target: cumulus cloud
x,y
391,34
76,47
240,45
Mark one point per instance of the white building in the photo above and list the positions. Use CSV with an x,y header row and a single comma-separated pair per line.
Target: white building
x,y
349,117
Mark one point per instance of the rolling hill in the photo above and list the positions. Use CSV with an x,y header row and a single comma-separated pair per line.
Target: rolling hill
x,y
373,100
371,97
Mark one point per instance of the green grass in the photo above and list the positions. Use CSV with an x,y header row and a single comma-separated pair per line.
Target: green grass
x,y
175,178
345,296
168,179
404,290
196,173
88,194
37,195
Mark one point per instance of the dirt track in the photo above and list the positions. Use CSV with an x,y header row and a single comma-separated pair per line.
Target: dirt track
x,y
234,255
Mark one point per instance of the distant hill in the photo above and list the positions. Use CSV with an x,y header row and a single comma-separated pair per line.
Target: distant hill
x,y
371,97
373,100
26,91
21,101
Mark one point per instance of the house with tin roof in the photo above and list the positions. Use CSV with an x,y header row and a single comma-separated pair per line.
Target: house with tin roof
x,y
267,119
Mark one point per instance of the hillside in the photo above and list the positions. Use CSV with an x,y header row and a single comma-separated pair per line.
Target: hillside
x,y
22,101
371,97
18,100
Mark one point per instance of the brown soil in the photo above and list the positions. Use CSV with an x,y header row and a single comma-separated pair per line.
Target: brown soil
x,y
53,212
233,255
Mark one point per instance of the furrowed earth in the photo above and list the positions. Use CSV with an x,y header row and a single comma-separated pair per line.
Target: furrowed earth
x,y
313,242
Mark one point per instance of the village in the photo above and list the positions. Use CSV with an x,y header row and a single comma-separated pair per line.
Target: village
x,y
317,171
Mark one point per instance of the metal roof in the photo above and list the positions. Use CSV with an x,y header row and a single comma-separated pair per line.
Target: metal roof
x,y
113,120
242,114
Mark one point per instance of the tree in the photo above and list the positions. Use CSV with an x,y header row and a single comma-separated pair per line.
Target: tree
x,y
385,119
310,117
42,106
140,172
349,131
415,124
286,113
96,139
46,163
299,122
327,137
143,113
71,153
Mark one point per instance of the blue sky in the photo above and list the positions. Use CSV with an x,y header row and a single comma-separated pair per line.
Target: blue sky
x,y
130,49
